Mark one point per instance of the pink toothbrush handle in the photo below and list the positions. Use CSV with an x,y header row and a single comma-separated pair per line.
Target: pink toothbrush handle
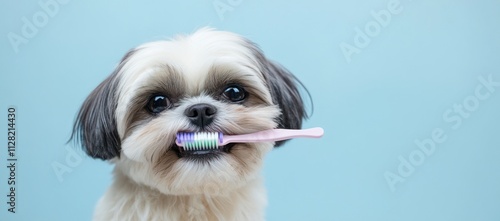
x,y
273,135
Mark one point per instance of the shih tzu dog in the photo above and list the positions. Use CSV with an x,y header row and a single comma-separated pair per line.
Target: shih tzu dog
x,y
211,81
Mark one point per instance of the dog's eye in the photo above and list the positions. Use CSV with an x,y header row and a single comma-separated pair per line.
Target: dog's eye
x,y
234,93
158,103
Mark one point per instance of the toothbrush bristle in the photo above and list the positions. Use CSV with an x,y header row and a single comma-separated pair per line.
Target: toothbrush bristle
x,y
199,141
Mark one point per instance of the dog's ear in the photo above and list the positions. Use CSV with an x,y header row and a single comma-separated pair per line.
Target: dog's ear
x,y
283,87
95,126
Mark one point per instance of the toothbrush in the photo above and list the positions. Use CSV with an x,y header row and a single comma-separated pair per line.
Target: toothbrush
x,y
212,140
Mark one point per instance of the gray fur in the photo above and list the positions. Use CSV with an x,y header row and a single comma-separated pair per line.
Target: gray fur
x,y
283,88
95,126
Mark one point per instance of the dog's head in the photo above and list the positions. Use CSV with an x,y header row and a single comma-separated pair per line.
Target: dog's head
x,y
209,81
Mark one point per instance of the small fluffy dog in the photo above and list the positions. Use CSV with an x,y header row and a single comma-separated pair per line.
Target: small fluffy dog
x,y
211,81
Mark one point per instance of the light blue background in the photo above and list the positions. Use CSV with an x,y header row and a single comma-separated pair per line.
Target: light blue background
x,y
428,58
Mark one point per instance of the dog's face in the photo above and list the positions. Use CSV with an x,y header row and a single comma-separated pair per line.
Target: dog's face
x,y
209,81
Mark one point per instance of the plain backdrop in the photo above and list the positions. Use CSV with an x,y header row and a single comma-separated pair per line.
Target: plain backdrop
x,y
379,85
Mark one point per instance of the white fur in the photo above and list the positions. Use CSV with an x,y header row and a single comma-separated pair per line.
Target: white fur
x,y
127,201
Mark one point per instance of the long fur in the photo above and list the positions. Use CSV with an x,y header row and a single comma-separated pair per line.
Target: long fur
x,y
152,181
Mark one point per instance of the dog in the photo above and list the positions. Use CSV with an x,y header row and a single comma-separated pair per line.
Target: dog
x,y
210,80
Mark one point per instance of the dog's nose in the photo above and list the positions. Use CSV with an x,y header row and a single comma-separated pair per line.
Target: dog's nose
x,y
201,114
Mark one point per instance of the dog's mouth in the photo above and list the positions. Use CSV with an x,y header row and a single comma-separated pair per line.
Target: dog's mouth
x,y
203,154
